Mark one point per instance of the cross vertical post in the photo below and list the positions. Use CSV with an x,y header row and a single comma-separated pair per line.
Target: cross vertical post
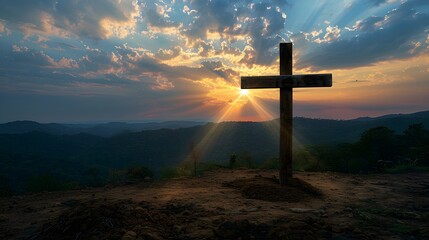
x,y
286,115
286,82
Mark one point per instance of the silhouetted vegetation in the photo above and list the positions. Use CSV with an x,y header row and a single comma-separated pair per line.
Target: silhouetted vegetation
x,y
129,175
378,149
94,161
48,182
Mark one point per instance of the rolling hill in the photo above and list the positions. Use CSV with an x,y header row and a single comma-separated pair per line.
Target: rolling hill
x,y
30,148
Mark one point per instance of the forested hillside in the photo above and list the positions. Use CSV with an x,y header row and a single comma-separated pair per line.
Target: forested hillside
x,y
318,145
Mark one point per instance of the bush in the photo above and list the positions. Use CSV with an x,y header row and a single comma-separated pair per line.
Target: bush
x,y
139,173
47,182
271,163
303,160
232,160
209,166
175,172
404,168
129,175
5,190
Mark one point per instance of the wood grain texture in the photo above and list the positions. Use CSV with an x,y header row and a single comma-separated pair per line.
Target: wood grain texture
x,y
287,81
286,109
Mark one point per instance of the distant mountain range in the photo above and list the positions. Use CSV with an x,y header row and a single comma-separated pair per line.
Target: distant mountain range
x,y
29,148
104,129
307,130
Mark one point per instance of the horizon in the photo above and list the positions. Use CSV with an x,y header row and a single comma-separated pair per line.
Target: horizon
x,y
201,121
64,61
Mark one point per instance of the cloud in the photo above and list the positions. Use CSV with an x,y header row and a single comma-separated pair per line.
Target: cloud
x,y
220,70
377,2
332,34
155,15
261,23
163,84
4,29
92,19
167,54
377,39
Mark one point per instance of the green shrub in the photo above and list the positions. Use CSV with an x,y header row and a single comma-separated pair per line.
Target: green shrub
x,y
129,175
139,173
209,166
48,182
303,160
403,168
232,160
271,163
175,172
5,189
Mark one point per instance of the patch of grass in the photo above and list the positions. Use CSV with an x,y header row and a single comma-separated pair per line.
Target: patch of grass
x,y
175,172
404,229
397,221
404,168
210,166
392,212
271,163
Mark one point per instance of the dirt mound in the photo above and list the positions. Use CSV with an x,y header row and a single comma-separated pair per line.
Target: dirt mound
x,y
120,220
269,189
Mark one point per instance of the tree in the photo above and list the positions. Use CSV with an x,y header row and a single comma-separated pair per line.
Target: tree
x,y
94,174
194,156
232,160
5,189
378,144
416,141
416,135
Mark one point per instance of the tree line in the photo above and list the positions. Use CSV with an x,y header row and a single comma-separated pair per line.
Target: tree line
x,y
378,149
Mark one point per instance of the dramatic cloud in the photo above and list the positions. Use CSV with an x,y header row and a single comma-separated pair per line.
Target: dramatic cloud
x,y
377,39
156,15
93,19
260,23
168,59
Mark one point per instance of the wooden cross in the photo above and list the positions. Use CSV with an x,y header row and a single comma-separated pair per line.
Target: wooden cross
x,y
286,81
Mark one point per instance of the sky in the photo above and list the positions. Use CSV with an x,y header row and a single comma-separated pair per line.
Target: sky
x,y
124,60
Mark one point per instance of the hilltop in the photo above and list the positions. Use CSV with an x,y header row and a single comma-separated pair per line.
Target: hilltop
x,y
227,204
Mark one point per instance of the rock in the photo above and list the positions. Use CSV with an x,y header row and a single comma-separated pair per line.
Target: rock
x,y
298,225
336,229
252,209
178,228
186,213
345,227
150,236
234,213
300,210
380,183
320,212
241,229
228,229
348,209
29,209
130,235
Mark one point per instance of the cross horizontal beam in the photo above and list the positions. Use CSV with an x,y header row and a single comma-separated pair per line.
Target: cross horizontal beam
x,y
287,81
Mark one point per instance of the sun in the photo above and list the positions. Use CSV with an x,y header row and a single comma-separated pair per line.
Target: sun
x,y
243,92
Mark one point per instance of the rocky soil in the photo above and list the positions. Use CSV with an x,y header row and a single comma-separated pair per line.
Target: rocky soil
x,y
225,204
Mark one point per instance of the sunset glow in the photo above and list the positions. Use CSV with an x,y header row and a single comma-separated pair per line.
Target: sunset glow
x,y
244,92
65,61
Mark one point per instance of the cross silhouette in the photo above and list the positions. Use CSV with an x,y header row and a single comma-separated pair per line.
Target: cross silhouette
x,y
286,82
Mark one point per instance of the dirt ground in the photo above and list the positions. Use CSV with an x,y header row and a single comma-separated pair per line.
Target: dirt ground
x,y
225,204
